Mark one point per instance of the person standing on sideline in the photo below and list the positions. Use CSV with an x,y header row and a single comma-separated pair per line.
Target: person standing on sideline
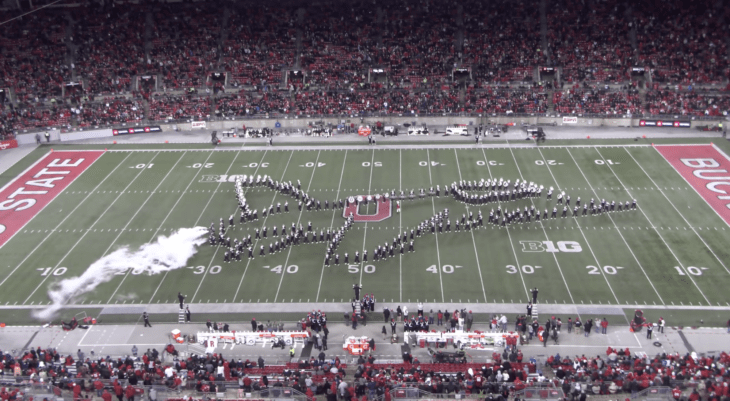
x,y
385,332
134,350
187,314
570,325
146,319
661,325
392,326
604,325
534,295
253,324
181,298
37,139
587,327
649,330
440,320
529,309
48,136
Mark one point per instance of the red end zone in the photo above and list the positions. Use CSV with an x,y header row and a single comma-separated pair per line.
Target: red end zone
x,y
30,192
706,169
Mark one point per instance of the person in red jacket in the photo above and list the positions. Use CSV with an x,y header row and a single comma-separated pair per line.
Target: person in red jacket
x,y
99,386
118,390
604,325
129,393
77,392
105,396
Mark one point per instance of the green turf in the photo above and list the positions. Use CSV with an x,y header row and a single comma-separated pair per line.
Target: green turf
x,y
623,260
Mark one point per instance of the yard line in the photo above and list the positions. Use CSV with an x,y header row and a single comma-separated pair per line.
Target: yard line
x,y
473,240
433,205
365,232
67,216
163,221
262,224
617,229
654,227
544,231
400,224
286,261
575,219
92,226
196,224
509,236
677,210
334,212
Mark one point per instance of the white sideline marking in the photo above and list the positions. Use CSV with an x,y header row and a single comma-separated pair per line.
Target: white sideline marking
x,y
433,204
619,231
334,212
88,230
657,231
473,240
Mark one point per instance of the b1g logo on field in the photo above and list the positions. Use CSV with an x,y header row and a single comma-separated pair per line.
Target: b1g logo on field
x,y
548,246
382,209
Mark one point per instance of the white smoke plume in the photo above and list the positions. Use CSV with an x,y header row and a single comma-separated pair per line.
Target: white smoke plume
x,y
165,254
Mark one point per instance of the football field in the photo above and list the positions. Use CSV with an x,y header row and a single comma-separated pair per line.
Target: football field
x,y
672,250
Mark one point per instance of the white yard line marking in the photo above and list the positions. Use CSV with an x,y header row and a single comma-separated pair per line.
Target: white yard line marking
x,y
286,261
200,217
509,236
365,228
675,207
575,219
334,212
253,247
92,226
544,231
163,222
400,225
65,218
473,240
617,229
655,229
433,205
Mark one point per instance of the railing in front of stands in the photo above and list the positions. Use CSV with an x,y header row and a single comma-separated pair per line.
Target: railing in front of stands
x,y
653,393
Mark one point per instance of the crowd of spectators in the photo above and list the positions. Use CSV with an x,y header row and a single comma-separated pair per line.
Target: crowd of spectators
x,y
687,103
685,42
620,371
597,101
333,48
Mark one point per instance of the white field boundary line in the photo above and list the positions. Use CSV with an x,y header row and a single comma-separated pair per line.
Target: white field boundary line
x,y
194,225
47,204
433,205
677,210
400,226
519,171
618,231
92,226
334,212
412,146
65,218
253,247
509,236
286,261
655,229
198,221
365,228
473,240
575,219
31,167
163,222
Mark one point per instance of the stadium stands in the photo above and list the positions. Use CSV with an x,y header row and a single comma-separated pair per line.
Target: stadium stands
x,y
61,66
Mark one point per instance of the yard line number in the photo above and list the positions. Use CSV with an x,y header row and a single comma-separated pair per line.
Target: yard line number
x,y
448,269
695,271
356,269
49,270
548,162
278,269
201,269
375,164
607,161
144,165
